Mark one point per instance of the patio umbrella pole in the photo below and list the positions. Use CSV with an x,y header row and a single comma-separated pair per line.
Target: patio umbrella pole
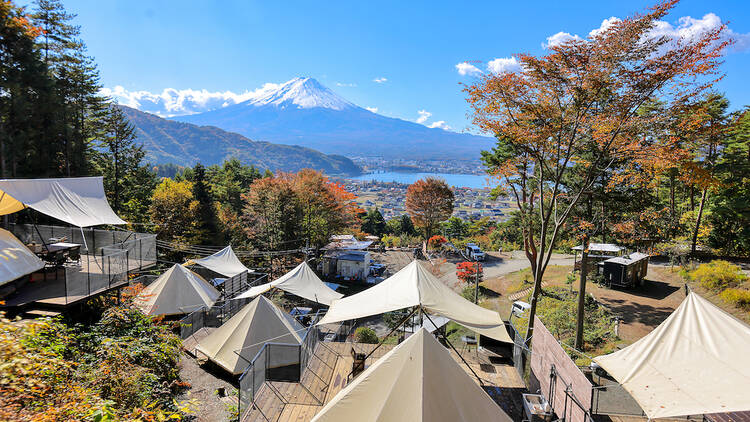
x,y
454,349
403,321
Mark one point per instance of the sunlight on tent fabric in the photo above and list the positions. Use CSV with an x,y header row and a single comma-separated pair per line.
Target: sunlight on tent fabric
x,y
415,286
693,363
177,291
301,281
244,334
416,381
224,262
79,201
16,260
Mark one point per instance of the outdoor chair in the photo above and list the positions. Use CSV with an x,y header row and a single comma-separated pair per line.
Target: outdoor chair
x,y
74,254
53,261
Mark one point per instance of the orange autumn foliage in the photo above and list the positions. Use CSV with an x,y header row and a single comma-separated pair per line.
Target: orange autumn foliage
x,y
580,112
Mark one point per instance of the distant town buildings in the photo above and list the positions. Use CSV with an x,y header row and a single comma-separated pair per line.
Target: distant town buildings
x,y
390,198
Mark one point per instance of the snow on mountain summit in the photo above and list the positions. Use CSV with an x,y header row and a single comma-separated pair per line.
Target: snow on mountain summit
x,y
302,92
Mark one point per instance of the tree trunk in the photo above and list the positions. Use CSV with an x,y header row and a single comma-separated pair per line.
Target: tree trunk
x,y
692,198
672,211
698,220
534,300
582,295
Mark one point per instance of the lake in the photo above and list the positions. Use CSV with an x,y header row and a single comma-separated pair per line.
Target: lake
x,y
458,180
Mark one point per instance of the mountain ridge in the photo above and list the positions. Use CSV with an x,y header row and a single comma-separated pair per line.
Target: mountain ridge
x,y
168,141
304,112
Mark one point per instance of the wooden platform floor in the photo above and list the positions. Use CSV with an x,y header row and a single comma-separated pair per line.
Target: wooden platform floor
x,y
327,375
50,288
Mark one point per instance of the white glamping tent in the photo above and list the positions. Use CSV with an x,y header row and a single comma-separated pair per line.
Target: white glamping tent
x,y
260,321
16,260
695,362
177,291
224,262
301,281
416,381
415,286
79,201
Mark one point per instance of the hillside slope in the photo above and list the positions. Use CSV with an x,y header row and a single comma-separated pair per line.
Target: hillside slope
x,y
168,141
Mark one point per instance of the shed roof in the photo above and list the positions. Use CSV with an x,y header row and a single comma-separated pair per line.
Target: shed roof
x,y
600,247
628,259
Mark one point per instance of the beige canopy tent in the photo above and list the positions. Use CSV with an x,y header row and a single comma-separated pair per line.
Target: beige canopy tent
x,y
233,345
416,381
301,281
224,262
415,286
695,362
16,260
177,291
79,201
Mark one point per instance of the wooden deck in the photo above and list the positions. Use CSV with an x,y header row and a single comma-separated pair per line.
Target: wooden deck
x,y
327,374
67,285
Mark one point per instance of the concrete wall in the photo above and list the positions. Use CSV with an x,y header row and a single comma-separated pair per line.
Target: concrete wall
x,y
546,352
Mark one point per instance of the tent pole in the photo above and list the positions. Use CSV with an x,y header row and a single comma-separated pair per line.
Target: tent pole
x,y
454,349
381,342
33,221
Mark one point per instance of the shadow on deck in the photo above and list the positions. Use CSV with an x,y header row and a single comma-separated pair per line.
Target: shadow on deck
x,y
327,374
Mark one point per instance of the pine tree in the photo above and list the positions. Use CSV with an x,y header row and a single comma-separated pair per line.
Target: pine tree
x,y
128,181
207,217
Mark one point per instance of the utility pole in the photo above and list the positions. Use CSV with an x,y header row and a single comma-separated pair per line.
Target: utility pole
x,y
476,276
582,293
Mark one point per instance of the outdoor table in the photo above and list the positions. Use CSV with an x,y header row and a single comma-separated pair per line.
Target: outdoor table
x,y
51,248
60,246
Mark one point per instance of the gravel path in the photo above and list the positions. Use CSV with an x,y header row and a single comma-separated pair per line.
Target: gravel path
x,y
210,407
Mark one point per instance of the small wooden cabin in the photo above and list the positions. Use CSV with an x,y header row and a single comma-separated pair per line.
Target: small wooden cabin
x,y
625,271
598,252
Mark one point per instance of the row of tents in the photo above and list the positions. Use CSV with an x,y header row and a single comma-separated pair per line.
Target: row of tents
x,y
417,380
179,290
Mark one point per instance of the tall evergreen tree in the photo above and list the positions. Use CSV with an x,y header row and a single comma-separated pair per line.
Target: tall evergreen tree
x,y
128,181
373,222
207,216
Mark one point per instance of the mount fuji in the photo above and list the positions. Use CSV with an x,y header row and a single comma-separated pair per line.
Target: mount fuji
x,y
304,112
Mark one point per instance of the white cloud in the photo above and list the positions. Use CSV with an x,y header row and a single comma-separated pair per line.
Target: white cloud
x,y
466,68
559,39
690,29
372,109
439,124
380,80
606,24
348,85
502,65
687,29
423,116
173,102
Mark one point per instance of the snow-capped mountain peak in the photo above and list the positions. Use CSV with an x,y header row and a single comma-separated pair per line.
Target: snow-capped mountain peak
x,y
300,92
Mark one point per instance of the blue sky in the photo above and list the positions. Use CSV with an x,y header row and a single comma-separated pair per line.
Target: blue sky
x,y
240,45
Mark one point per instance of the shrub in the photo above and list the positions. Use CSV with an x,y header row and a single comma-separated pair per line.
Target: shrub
x,y
557,308
717,275
737,297
365,335
467,271
122,366
436,242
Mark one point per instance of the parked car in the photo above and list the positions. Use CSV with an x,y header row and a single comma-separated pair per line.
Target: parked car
x,y
474,252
